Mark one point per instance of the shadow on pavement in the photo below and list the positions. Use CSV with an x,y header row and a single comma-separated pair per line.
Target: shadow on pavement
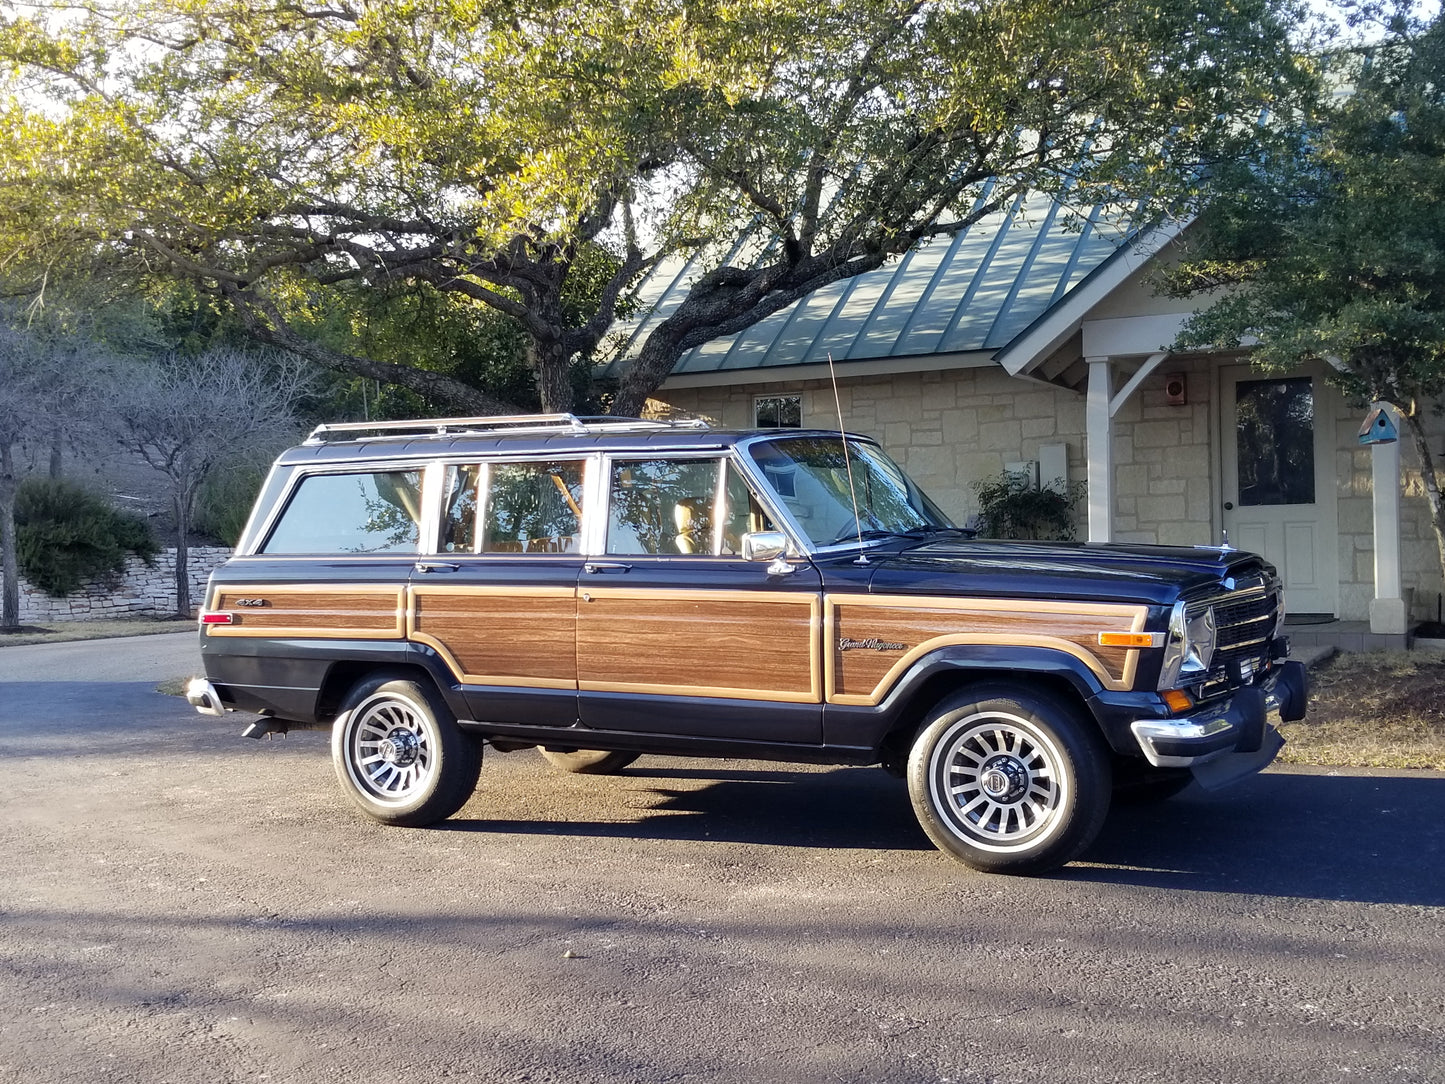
x,y
1372,839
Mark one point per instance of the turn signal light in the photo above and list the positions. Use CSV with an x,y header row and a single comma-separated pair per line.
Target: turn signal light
x,y
1130,639
1178,700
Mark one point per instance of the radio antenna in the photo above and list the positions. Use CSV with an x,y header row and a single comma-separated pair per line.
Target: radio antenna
x,y
847,462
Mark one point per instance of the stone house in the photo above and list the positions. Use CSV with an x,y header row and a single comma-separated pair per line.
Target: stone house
x,y
1033,343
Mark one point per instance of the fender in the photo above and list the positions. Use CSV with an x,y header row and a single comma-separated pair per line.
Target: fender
x,y
945,669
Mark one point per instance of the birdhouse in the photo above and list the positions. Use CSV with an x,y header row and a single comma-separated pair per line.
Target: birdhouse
x,y
1379,428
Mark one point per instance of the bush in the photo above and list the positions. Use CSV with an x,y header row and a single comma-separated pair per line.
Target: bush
x,y
67,536
224,503
1009,507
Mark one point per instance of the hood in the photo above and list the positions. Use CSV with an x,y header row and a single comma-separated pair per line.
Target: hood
x,y
1156,575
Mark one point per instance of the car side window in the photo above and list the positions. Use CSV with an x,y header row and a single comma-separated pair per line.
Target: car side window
x,y
533,507
681,507
360,512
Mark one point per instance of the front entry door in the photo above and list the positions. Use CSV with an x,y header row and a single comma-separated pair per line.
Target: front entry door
x,y
676,633
1279,481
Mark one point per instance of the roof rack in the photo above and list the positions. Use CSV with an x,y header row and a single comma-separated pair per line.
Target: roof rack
x,y
497,423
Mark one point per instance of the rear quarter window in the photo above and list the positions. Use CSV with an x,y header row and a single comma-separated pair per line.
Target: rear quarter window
x,y
353,513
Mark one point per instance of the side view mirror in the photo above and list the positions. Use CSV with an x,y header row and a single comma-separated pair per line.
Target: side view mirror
x,y
764,545
768,546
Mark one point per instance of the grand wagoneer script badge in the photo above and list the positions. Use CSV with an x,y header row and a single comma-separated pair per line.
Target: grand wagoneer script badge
x,y
874,644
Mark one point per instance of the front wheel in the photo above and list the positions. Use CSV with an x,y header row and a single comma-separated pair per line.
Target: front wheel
x,y
400,755
1008,780
588,761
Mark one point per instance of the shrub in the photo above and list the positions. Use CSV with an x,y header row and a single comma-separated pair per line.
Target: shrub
x,y
224,502
1009,507
67,536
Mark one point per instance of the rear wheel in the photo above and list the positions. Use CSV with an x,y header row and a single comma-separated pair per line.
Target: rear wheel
x,y
588,761
1008,780
400,755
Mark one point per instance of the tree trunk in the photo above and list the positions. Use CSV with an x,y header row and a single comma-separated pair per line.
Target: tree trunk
x,y
648,370
10,594
1430,480
181,502
551,364
57,444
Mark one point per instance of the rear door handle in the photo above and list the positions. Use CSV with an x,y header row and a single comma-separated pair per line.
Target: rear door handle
x,y
436,566
593,568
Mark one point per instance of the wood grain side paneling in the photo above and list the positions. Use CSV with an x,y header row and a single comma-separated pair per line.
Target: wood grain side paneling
x,y
350,612
752,645
897,631
523,636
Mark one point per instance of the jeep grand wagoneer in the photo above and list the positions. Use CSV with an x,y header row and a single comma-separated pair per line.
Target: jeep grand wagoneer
x,y
603,588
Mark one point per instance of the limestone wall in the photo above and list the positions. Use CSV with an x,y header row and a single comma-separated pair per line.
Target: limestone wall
x,y
141,590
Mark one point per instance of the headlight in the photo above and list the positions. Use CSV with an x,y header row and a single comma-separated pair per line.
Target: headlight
x,y
1190,650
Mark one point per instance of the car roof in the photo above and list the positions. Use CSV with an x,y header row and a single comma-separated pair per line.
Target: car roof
x,y
453,438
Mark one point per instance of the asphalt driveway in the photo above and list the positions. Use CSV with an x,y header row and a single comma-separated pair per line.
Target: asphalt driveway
x,y
180,904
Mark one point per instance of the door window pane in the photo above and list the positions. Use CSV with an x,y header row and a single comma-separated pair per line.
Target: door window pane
x,y
662,506
532,508
1275,422
459,511
351,513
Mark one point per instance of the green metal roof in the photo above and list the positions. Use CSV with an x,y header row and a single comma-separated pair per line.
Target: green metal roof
x,y
975,291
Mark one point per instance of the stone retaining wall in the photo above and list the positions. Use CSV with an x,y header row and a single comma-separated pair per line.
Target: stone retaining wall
x,y
141,590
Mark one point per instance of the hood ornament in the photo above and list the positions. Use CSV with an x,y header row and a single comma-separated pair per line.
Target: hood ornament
x,y
1224,546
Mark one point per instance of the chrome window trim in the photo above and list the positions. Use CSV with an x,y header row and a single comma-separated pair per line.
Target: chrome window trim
x,y
300,474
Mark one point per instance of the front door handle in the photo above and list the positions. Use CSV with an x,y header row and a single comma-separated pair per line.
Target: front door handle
x,y
593,568
436,566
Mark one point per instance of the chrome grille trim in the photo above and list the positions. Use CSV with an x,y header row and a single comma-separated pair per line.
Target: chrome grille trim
x,y
1244,621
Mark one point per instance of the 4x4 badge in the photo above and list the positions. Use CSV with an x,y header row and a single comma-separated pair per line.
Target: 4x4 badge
x,y
874,644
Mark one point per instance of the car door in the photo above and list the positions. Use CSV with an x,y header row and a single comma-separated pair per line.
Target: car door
x,y
497,599
676,633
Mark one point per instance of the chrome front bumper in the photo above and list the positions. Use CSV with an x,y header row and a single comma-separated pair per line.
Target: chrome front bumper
x,y
1238,725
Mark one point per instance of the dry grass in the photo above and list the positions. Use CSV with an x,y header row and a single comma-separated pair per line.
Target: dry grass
x,y
62,631
1382,709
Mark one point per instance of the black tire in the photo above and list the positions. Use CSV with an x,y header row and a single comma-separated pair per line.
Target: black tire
x,y
1008,780
400,755
588,761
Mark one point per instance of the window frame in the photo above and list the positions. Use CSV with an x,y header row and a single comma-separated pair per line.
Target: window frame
x,y
425,522
759,399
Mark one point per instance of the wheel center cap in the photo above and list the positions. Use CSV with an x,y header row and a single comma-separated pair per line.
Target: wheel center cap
x,y
1004,779
400,747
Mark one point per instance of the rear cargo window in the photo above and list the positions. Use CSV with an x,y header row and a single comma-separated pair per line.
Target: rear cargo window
x,y
351,513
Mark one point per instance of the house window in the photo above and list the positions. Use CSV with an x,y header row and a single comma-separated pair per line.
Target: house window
x,y
778,412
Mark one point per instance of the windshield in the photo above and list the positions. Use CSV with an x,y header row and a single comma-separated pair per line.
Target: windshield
x,y
810,477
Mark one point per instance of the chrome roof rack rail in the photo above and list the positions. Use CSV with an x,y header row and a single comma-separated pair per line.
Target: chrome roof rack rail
x,y
494,424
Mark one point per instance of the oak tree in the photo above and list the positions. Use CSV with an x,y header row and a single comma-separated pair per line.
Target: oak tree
x,y
1334,249
267,150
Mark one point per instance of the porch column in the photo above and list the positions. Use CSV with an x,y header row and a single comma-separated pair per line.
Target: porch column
x,y
1099,426
1388,613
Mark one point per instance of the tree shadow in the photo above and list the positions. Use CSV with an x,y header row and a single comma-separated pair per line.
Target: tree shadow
x,y
1366,838
1337,836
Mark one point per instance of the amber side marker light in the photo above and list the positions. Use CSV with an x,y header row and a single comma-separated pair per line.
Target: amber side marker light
x,y
1178,700
218,619
1131,639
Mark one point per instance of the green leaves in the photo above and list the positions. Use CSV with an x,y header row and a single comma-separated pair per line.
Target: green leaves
x,y
483,148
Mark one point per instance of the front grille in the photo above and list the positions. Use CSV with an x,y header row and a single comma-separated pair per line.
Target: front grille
x,y
1244,624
